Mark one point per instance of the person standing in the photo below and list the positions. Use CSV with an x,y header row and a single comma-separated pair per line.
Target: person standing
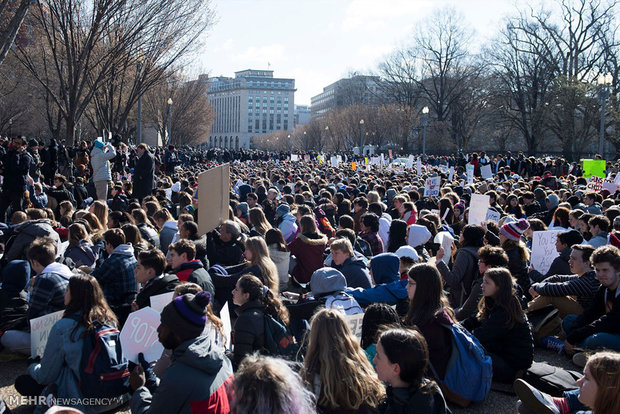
x,y
101,155
143,173
15,167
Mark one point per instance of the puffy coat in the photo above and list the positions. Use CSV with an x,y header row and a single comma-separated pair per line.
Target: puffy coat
x,y
82,255
388,286
195,272
308,249
288,227
154,287
101,164
281,260
149,234
24,234
356,273
249,331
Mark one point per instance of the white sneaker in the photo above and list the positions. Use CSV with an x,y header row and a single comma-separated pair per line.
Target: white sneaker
x,y
534,399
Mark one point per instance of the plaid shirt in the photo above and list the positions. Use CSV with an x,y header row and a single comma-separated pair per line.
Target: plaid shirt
x,y
376,244
117,279
48,294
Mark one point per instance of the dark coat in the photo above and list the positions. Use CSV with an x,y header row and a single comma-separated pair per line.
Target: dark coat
x,y
559,266
13,310
308,249
356,273
143,174
194,272
149,234
595,319
164,284
248,334
413,401
223,253
16,166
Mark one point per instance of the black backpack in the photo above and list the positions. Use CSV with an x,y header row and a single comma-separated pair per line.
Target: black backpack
x,y
550,379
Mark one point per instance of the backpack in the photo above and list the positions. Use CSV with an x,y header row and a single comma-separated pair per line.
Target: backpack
x,y
551,380
278,338
103,368
469,361
342,300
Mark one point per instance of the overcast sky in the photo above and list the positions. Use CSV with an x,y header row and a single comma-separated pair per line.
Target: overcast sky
x,y
317,42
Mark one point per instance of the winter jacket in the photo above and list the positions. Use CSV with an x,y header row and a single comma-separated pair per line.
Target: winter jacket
x,y
143,174
514,345
24,234
84,254
439,341
598,240
13,310
518,268
374,241
156,286
559,266
249,331
308,249
388,286
413,401
16,166
194,272
48,291
288,227
166,234
596,319
198,380
116,276
584,287
460,279
282,261
149,234
384,229
223,253
356,273
101,164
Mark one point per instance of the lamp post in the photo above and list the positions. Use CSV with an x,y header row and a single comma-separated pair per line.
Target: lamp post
x,y
169,119
604,83
425,113
362,135
139,126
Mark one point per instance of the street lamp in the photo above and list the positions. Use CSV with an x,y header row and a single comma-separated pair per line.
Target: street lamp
x,y
169,119
362,134
604,83
139,127
425,113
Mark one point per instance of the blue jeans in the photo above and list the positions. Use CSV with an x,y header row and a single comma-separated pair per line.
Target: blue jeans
x,y
597,341
573,401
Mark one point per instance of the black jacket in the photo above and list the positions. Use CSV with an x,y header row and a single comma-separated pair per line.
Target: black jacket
x,y
164,284
143,174
249,331
223,253
149,234
15,168
13,310
595,319
413,401
194,272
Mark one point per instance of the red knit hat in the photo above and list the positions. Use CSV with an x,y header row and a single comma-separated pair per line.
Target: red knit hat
x,y
514,230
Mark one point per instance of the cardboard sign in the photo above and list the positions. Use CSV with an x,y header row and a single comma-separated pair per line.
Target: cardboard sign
x,y
139,334
390,154
294,157
40,329
431,188
543,250
159,302
470,174
227,326
355,324
493,215
213,198
478,207
445,239
486,172
594,167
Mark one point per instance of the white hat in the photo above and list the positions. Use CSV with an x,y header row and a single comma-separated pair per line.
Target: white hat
x,y
407,251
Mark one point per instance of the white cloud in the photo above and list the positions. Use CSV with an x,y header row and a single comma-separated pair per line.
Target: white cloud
x,y
225,46
372,14
267,53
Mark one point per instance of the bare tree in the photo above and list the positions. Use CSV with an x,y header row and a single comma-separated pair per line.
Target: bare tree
x,y
11,19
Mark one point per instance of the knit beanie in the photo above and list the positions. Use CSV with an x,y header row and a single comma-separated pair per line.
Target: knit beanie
x,y
460,205
186,315
243,208
98,143
15,276
283,209
514,230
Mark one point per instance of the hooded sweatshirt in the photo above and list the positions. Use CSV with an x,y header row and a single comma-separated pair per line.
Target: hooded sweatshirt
x,y
288,227
388,286
356,273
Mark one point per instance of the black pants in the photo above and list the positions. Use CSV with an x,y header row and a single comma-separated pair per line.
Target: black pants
x,y
13,199
27,386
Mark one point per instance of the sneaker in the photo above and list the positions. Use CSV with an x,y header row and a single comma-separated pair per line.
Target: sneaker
x,y
580,359
535,400
552,343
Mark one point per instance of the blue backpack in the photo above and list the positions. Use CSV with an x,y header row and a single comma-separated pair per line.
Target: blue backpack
x,y
103,368
469,371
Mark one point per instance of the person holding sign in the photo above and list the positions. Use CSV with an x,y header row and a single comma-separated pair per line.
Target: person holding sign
x,y
150,273
61,362
200,373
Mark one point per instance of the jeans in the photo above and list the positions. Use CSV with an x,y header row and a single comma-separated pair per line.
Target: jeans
x,y
597,341
16,341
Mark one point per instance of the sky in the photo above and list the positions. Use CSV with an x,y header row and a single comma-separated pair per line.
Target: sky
x,y
318,42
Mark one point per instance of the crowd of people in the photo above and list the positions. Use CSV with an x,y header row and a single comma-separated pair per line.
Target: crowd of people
x,y
98,229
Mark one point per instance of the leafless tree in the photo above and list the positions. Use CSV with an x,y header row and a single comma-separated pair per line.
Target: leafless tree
x,y
12,16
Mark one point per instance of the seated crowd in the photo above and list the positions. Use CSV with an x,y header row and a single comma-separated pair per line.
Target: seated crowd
x,y
308,257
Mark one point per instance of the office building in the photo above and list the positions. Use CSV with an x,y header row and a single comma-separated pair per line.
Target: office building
x,y
360,89
302,114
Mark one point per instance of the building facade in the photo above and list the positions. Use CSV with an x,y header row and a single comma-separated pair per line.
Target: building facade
x,y
253,103
302,114
360,89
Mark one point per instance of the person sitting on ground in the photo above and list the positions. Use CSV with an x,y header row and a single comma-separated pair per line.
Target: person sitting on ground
x,y
80,250
58,372
200,375
369,225
26,233
13,296
518,255
502,327
280,256
402,362
183,263
572,293
377,317
189,230
560,265
150,274
147,231
116,274
167,228
308,248
353,269
286,222
226,246
269,385
599,228
408,257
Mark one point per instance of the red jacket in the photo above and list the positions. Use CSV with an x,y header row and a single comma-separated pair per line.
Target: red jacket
x,y
309,254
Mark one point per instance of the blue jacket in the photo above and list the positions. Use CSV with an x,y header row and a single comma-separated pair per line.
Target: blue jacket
x,y
389,288
116,276
356,273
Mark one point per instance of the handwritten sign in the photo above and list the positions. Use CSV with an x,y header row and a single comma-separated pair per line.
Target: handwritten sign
x,y
431,189
334,161
595,183
543,249
485,171
478,207
294,157
139,334
594,168
470,174
40,329
158,302
227,326
610,186
445,239
355,324
418,166
493,215
451,173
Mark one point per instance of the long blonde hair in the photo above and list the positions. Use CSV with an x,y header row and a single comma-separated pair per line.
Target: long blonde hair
x,y
259,221
347,378
262,259
100,209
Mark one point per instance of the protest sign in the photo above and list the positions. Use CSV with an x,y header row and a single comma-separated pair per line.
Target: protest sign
x,y
431,189
593,167
294,157
334,161
158,302
40,330
543,250
307,158
470,174
595,183
409,164
610,186
418,166
354,165
451,174
355,324
485,171
213,197
493,215
478,207
390,154
139,335
226,325
617,179
445,239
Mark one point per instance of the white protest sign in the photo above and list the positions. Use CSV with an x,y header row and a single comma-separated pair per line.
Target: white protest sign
x,y
617,179
470,174
485,171
139,335
445,239
418,166
493,215
355,324
334,161
478,207
610,186
294,157
227,326
431,188
409,162
339,157
40,330
158,302
543,250
451,173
